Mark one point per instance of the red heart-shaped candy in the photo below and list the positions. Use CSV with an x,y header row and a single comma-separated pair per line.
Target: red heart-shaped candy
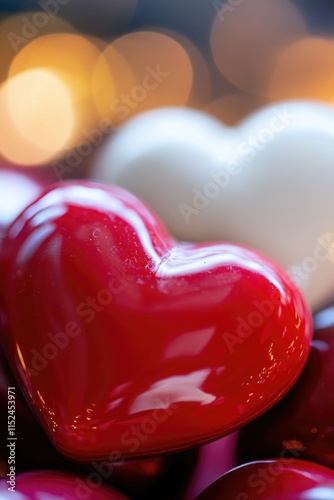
x,y
129,344
53,485
281,479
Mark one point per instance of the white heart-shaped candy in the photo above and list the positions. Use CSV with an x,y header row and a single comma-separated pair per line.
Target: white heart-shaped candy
x,y
267,184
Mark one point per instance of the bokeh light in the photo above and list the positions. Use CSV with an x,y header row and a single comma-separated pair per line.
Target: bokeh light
x,y
305,69
36,117
74,71
162,72
72,58
201,86
19,30
246,39
112,74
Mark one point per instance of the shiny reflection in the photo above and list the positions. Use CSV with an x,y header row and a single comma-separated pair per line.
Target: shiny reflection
x,y
33,243
50,213
175,389
319,492
36,117
99,199
304,70
22,369
189,344
285,478
244,44
141,362
19,353
36,210
53,205
188,259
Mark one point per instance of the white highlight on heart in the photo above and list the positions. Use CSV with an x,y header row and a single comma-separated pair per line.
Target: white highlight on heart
x,y
178,389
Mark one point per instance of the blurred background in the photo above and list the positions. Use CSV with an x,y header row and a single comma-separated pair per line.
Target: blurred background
x,y
73,71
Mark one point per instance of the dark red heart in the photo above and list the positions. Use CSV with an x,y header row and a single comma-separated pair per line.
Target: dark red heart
x,y
43,485
302,423
284,479
129,344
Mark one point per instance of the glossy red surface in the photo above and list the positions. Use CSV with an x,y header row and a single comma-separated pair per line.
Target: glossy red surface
x,y
274,480
162,477
302,423
130,344
51,485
